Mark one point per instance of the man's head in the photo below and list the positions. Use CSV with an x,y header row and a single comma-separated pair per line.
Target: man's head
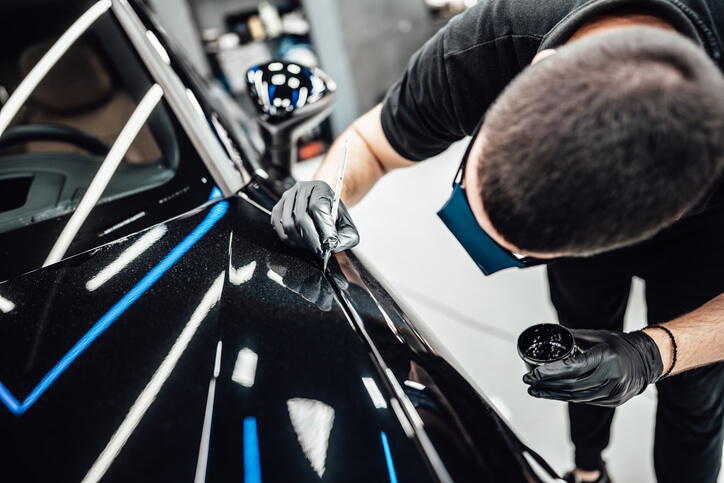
x,y
599,146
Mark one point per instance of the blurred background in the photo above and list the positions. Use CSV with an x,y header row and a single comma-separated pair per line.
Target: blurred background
x,y
364,46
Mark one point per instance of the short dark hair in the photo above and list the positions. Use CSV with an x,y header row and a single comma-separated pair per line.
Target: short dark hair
x,y
604,143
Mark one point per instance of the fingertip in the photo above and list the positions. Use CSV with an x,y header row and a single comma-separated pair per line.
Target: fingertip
x,y
309,235
276,212
326,229
540,394
280,232
539,374
331,242
551,370
347,239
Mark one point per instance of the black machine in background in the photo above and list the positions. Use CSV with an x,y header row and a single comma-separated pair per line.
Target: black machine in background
x,y
254,33
291,99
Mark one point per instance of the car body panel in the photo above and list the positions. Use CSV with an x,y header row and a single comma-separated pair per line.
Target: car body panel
x,y
266,299
305,355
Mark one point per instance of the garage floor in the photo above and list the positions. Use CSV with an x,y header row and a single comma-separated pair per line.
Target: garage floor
x,y
478,318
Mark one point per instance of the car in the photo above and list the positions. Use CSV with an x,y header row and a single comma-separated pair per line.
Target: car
x,y
152,325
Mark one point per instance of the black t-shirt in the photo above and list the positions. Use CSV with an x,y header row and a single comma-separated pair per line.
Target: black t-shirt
x,y
453,79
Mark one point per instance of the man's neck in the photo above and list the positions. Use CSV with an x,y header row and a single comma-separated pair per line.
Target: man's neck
x,y
620,18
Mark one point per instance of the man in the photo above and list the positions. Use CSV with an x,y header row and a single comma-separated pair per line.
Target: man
x,y
604,157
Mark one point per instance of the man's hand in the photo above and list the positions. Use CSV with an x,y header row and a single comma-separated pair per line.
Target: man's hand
x,y
616,367
303,219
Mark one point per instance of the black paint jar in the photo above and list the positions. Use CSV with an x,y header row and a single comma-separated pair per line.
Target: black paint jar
x,y
544,343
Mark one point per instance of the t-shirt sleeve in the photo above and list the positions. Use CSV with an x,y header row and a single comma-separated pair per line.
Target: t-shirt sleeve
x,y
451,81
418,114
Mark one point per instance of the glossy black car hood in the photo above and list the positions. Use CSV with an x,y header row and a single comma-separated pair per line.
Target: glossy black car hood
x,y
204,346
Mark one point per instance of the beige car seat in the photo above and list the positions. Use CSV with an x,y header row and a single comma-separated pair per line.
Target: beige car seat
x,y
79,92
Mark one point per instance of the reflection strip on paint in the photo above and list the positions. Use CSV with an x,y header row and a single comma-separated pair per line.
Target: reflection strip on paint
x,y
388,457
203,459
377,398
128,255
112,315
150,392
9,400
104,174
245,367
252,465
215,193
6,305
205,445
240,275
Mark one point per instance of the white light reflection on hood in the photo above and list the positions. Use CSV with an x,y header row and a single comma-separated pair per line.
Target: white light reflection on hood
x,y
6,305
203,460
240,275
274,276
128,255
312,421
415,385
158,47
245,367
149,393
377,398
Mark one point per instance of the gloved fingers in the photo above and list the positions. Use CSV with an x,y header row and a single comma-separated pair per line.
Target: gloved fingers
x,y
348,238
575,367
288,223
619,365
592,380
303,218
347,233
320,207
586,338
276,218
303,221
308,233
582,396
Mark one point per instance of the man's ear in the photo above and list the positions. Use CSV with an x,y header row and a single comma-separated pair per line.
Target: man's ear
x,y
543,54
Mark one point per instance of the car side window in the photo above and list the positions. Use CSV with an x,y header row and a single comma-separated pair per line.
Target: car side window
x,y
81,93
60,138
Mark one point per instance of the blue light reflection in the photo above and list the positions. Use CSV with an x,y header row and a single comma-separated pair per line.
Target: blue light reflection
x,y
112,315
252,465
215,193
388,457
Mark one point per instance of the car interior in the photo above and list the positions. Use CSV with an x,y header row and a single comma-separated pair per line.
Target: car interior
x,y
57,141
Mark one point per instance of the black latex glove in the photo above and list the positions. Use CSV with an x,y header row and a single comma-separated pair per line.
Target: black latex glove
x,y
617,367
303,219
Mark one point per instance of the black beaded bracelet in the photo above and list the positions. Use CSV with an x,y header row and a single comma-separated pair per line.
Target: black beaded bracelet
x,y
673,343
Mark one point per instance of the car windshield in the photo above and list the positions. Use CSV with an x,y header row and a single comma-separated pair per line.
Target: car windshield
x,y
90,151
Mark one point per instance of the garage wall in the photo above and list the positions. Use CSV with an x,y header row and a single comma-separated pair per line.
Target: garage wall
x,y
366,44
